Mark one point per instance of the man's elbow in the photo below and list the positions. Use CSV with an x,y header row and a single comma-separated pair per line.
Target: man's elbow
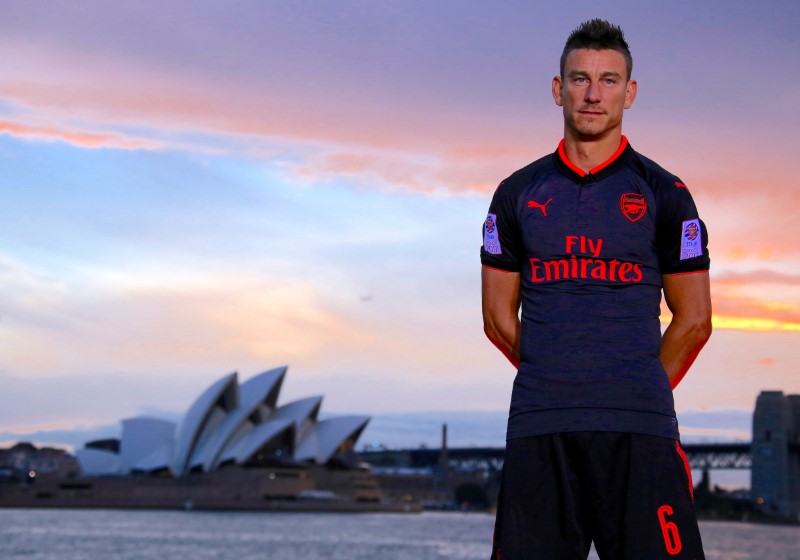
x,y
497,334
707,329
503,341
700,329
491,331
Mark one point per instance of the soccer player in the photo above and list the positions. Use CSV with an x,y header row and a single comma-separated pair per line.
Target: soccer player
x,y
584,240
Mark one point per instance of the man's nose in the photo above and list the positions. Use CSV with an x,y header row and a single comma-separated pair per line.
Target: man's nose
x,y
592,93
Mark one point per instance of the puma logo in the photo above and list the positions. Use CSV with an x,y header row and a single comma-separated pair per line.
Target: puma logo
x,y
542,207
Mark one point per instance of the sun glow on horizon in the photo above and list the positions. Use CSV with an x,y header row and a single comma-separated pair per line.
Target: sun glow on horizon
x,y
747,324
754,324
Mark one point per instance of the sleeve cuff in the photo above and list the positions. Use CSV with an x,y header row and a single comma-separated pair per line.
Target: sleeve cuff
x,y
499,264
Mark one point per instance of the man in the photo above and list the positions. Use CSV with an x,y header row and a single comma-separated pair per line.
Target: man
x,y
584,240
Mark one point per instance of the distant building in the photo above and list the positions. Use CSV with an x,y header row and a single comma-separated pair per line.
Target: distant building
x,y
228,424
25,460
235,448
775,475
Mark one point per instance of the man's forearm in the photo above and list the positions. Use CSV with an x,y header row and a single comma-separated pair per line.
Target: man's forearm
x,y
688,296
680,345
506,338
500,306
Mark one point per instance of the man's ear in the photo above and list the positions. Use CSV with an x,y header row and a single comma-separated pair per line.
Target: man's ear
x,y
558,84
630,93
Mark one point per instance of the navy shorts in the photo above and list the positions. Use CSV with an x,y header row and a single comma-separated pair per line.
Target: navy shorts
x,y
630,494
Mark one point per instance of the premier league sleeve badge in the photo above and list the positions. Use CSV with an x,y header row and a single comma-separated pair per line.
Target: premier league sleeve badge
x,y
491,236
691,240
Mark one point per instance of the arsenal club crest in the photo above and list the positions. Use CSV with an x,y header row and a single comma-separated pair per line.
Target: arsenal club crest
x,y
633,206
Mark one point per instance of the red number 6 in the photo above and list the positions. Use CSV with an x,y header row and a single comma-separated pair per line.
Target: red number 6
x,y
672,538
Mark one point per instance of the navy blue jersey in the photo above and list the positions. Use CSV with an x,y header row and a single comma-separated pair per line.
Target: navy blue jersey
x,y
591,249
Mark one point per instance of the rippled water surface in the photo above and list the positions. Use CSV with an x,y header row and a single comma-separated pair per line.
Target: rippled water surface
x,y
39,534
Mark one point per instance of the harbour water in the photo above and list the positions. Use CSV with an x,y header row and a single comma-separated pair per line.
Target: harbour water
x,y
41,534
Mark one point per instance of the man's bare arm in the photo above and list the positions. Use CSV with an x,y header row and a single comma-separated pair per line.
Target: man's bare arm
x,y
688,296
500,298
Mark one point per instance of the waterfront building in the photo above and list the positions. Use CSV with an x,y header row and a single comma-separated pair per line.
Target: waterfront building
x,y
234,448
775,474
229,423
24,460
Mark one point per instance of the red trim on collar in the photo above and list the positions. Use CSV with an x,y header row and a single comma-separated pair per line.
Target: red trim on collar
x,y
563,155
581,173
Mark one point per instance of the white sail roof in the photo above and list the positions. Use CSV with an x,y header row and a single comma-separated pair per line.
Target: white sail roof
x,y
206,413
259,437
328,436
228,422
303,413
257,397
263,388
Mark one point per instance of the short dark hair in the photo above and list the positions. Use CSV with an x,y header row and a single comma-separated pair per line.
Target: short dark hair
x,y
597,34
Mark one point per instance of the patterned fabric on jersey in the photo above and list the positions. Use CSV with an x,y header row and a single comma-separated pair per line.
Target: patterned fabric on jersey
x,y
591,249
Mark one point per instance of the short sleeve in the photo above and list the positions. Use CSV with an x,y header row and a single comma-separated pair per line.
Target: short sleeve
x,y
682,236
501,237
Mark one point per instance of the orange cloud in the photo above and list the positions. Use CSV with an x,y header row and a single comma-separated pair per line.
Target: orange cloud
x,y
216,321
76,138
756,301
448,172
755,314
761,276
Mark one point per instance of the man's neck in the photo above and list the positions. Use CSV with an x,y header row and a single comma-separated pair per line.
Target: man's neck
x,y
588,153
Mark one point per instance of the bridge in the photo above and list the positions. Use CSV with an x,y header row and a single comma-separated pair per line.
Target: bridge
x,y
701,456
773,458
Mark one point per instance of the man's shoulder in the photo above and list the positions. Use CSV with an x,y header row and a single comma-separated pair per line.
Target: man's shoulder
x,y
669,192
652,173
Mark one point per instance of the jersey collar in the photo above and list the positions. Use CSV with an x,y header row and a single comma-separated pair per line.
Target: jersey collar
x,y
598,172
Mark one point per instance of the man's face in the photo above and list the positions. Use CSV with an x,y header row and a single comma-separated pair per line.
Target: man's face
x,y
593,92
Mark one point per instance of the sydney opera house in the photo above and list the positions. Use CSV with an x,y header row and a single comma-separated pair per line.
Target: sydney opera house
x,y
229,423
234,448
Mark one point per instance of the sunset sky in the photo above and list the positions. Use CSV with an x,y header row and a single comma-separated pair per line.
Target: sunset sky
x,y
193,188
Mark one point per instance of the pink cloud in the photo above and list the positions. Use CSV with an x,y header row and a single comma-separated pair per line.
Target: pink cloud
x,y
763,276
418,145
386,171
390,157
378,130
82,139
347,80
